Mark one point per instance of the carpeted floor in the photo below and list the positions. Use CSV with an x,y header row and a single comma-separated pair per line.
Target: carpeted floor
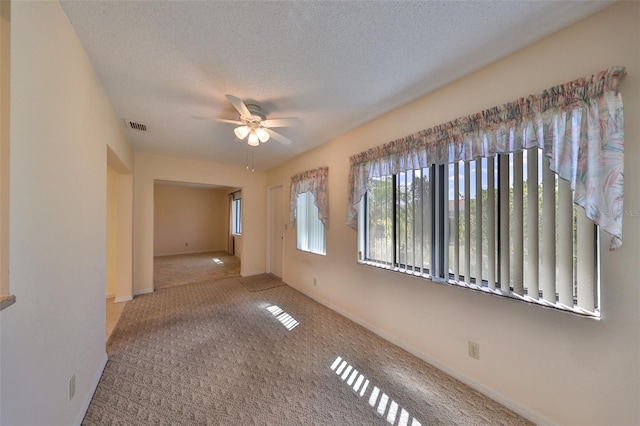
x,y
213,353
182,269
260,282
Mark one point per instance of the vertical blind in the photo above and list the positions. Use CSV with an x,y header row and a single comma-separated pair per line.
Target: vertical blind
x,y
310,231
518,232
503,224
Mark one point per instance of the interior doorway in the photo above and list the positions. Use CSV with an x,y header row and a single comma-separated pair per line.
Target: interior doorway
x,y
276,231
195,237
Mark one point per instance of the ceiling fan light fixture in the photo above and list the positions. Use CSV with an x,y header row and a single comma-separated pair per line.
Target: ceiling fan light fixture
x,y
262,134
252,123
241,132
253,139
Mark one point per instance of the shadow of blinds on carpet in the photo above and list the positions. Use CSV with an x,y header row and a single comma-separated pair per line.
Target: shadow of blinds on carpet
x,y
359,383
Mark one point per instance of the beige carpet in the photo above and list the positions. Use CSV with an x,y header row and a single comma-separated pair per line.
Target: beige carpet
x,y
178,270
260,282
214,353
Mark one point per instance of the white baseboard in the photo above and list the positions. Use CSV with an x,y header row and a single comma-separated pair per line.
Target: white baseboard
x,y
143,291
251,273
188,252
524,411
122,299
92,390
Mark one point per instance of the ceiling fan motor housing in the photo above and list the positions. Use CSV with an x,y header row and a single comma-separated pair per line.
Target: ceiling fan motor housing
x,y
256,112
254,124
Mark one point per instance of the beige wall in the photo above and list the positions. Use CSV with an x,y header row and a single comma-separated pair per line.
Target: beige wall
x,y
149,168
61,124
552,366
189,219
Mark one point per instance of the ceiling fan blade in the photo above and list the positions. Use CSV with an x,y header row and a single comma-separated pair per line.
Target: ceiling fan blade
x,y
282,122
217,120
239,106
277,136
223,120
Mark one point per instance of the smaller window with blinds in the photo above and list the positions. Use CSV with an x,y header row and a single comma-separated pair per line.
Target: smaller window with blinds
x,y
309,209
310,230
236,216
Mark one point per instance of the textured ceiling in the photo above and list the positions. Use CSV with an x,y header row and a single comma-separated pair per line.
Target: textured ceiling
x,y
335,65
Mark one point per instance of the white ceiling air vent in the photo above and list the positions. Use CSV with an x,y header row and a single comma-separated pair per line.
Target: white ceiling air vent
x,y
135,125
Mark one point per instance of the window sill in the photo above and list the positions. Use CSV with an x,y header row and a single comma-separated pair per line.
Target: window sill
x,y
311,252
485,290
6,301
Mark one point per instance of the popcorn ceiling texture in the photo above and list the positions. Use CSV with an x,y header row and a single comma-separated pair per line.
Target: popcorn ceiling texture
x,y
335,65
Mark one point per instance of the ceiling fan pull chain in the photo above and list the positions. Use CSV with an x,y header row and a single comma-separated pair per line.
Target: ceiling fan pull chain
x,y
253,168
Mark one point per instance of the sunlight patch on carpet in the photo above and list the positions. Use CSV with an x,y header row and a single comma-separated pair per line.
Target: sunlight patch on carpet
x,y
285,319
378,400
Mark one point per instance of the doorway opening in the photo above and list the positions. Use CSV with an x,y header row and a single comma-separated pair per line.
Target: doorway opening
x,y
195,233
275,237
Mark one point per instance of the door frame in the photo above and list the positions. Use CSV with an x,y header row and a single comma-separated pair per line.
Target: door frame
x,y
124,228
270,220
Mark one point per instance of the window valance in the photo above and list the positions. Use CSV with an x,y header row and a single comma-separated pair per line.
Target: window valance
x,y
316,182
579,125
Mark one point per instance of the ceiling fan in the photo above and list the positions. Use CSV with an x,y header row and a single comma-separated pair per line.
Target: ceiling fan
x,y
253,123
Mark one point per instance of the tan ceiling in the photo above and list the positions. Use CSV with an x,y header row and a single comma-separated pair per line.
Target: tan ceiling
x,y
336,65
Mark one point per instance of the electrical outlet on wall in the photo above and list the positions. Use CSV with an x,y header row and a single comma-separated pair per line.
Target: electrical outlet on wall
x,y
474,350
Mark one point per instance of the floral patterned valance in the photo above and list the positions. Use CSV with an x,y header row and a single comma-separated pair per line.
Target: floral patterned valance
x,y
579,125
316,182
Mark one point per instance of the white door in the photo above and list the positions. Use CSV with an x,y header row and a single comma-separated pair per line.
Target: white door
x,y
276,231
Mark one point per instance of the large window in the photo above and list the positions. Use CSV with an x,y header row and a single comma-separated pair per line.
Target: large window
x,y
310,230
505,225
475,203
